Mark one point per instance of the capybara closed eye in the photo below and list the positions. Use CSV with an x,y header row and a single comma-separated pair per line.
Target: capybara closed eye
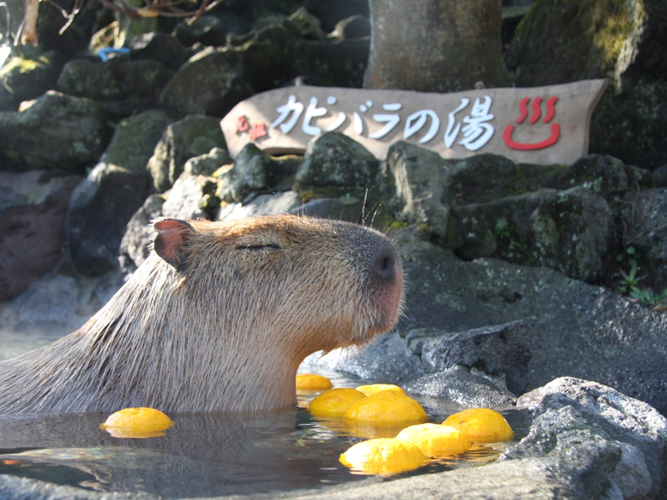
x,y
218,318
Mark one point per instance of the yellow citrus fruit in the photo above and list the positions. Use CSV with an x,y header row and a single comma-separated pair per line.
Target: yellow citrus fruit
x,y
312,382
386,408
383,456
371,389
137,423
481,425
334,402
435,440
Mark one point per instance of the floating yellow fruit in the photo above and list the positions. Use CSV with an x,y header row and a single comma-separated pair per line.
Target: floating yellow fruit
x,y
137,423
312,382
481,425
383,456
334,402
389,408
371,389
435,440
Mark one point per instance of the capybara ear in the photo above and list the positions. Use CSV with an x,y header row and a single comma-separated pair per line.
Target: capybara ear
x,y
168,242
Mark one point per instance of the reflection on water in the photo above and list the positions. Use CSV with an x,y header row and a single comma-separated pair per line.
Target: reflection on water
x,y
203,454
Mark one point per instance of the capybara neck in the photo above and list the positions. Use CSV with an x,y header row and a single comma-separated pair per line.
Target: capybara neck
x,y
218,318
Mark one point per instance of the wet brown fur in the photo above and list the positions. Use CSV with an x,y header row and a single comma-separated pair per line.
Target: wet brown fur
x,y
220,322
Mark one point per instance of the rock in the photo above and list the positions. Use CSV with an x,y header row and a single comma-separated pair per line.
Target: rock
x,y
463,386
207,164
270,57
55,131
334,63
122,86
104,202
487,177
562,42
387,359
194,135
160,47
543,228
208,30
134,141
264,204
253,171
184,200
621,438
32,227
348,209
135,245
23,79
499,351
577,329
644,217
208,83
333,159
415,183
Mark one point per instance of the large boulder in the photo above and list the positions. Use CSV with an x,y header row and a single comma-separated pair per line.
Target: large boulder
x,y
560,42
209,83
194,135
121,86
23,79
543,228
334,159
55,131
416,182
104,202
32,227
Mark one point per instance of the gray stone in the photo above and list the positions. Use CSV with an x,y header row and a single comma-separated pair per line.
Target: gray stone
x,y
264,204
348,209
55,131
100,208
467,387
134,141
253,170
499,351
542,228
208,163
208,83
415,183
561,42
159,47
32,227
192,136
623,437
115,79
577,329
644,217
104,202
333,159
23,79
135,245
185,199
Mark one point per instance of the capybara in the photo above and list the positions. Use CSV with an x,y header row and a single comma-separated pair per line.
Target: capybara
x,y
218,318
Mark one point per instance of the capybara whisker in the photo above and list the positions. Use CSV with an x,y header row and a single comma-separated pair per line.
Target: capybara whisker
x,y
218,318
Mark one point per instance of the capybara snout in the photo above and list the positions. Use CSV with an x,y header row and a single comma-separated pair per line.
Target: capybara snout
x,y
218,318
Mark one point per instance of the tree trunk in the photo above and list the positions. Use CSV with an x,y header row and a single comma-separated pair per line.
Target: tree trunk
x,y
435,45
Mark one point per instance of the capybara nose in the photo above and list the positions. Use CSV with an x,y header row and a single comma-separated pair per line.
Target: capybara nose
x,y
385,265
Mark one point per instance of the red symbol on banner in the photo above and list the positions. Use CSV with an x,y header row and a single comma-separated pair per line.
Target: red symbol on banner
x,y
257,131
242,124
555,128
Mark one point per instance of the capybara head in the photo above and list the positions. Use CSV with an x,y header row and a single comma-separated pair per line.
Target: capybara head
x,y
219,317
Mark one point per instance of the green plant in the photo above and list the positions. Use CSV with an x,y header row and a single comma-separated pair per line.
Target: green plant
x,y
629,284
